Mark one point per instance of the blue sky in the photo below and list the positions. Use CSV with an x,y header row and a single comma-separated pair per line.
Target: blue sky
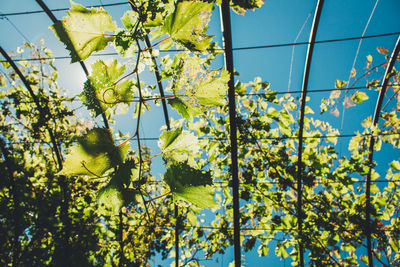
x,y
278,21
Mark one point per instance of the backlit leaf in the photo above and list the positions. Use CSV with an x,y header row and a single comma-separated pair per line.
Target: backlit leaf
x,y
190,184
110,200
178,144
339,84
104,94
213,91
359,97
186,110
94,154
188,23
82,31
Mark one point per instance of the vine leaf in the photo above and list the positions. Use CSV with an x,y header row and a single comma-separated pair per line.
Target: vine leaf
x,y
359,97
241,6
213,91
82,31
103,78
190,184
187,24
110,200
94,154
178,144
116,194
186,110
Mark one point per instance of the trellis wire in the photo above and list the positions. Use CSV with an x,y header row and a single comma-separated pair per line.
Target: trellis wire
x,y
240,139
233,49
59,9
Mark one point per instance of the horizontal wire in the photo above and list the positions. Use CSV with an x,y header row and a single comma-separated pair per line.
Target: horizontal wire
x,y
58,9
262,229
242,139
74,99
234,49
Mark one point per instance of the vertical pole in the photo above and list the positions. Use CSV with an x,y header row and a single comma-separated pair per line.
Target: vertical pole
x,y
227,34
301,127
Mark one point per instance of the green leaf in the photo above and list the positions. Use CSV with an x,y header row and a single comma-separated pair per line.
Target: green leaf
x,y
186,110
214,90
100,92
178,144
395,165
3,80
94,154
190,184
188,22
82,31
110,200
241,6
359,97
339,84
369,58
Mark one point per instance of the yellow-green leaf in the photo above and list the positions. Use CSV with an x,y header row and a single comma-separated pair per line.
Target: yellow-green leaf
x,y
83,31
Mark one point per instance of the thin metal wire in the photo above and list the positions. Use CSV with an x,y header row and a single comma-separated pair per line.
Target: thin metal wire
x,y
233,49
59,9
243,139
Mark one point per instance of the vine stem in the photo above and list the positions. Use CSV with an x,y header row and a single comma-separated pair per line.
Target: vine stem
x,y
147,160
159,42
160,196
127,140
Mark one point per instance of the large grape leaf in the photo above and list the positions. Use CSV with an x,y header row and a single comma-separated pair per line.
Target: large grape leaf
x,y
82,31
187,110
116,193
190,184
100,92
178,144
110,200
94,154
214,90
188,22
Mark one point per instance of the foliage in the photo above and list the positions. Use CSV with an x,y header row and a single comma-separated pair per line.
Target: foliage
x,y
103,206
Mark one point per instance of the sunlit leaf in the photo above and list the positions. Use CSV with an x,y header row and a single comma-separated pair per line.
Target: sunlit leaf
x,y
339,84
110,200
395,165
186,110
359,97
188,23
178,144
190,185
94,154
241,6
213,91
82,31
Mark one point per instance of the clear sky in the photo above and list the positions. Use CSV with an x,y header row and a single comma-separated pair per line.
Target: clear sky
x,y
277,22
